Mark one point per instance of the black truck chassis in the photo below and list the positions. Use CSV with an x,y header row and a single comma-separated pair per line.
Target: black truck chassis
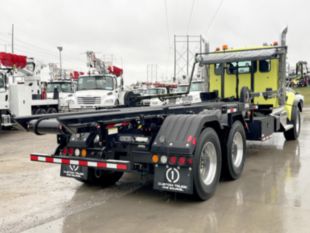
x,y
164,141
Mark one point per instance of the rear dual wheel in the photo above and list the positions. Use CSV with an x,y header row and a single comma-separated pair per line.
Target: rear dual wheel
x,y
234,149
207,164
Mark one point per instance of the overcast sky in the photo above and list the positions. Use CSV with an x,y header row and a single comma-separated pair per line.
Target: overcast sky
x,y
140,32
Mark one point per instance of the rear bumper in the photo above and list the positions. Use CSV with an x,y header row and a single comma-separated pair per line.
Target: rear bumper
x,y
114,165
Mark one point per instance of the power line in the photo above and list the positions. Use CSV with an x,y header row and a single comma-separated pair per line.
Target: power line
x,y
190,16
33,45
24,46
214,16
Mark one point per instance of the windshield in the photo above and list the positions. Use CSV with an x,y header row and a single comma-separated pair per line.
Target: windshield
x,y
138,91
181,89
197,86
95,83
2,84
61,87
155,91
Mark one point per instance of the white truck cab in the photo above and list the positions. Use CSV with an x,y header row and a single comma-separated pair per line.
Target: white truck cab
x,y
95,91
154,91
4,103
65,90
193,96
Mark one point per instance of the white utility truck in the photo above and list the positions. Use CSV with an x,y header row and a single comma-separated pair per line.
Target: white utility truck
x,y
197,86
20,89
100,88
62,90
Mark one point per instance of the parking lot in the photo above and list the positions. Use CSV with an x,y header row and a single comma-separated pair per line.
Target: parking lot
x,y
271,196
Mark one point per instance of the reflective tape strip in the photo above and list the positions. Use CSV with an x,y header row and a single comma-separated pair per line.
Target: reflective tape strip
x,y
111,165
122,167
48,159
92,164
57,160
74,162
41,159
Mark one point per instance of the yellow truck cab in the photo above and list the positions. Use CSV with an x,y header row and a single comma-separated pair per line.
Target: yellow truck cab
x,y
257,76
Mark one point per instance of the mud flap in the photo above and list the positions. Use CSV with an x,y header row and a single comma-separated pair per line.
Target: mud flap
x,y
74,171
173,179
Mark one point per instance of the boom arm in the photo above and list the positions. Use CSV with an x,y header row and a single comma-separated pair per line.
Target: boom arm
x,y
96,63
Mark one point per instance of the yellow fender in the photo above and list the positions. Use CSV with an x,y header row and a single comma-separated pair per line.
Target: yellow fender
x,y
290,100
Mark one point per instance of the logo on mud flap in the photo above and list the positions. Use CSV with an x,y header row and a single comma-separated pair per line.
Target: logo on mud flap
x,y
74,168
172,175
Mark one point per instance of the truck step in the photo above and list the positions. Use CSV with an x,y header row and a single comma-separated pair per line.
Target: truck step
x,y
288,127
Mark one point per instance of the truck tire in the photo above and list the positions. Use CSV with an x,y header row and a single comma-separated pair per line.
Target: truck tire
x,y
51,110
244,95
234,151
39,111
207,164
42,111
293,133
101,177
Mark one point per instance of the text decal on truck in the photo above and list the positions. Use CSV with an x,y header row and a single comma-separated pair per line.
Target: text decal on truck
x,y
173,179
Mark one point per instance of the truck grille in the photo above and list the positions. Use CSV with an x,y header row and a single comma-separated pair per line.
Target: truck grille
x,y
89,100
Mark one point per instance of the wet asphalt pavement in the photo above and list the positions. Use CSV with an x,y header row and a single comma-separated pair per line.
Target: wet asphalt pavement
x,y
271,196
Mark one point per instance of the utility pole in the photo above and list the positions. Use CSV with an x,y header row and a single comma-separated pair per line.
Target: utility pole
x,y
12,38
60,63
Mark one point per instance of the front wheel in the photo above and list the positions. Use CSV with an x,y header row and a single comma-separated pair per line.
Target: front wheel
x,y
293,133
207,164
234,152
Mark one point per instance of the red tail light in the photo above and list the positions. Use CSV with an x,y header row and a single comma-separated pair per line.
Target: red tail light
x,y
190,161
70,151
173,160
182,161
64,151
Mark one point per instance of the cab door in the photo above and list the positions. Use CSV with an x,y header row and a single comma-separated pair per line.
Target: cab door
x,y
267,77
4,96
215,71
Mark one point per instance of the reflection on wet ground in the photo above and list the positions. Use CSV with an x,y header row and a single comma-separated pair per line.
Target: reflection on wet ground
x,y
271,196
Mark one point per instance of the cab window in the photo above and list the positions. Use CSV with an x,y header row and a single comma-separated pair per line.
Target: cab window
x,y
244,67
264,66
218,68
2,83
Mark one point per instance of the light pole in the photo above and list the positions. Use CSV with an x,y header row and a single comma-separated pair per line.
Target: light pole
x,y
60,64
